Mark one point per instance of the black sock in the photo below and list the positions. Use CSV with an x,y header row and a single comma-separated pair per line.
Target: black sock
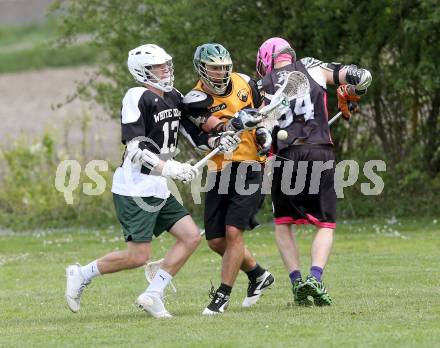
x,y
255,272
225,289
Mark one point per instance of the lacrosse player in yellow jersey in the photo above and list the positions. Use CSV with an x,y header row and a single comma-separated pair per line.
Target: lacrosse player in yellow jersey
x,y
211,105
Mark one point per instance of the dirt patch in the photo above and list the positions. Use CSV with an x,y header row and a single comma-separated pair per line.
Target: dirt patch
x,y
27,101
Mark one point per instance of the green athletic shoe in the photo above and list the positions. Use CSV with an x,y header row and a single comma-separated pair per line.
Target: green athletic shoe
x,y
300,293
315,288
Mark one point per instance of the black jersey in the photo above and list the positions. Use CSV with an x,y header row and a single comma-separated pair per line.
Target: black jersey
x,y
145,114
306,120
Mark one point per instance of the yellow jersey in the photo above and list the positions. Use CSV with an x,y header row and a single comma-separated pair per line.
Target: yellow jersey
x,y
224,107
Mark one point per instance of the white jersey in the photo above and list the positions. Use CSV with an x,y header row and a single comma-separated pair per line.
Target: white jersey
x,y
145,114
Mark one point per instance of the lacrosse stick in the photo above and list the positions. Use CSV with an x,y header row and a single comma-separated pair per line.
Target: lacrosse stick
x,y
334,118
351,106
151,269
295,85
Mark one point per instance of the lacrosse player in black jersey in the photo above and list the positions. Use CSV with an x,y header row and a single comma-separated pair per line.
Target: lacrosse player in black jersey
x,y
150,121
308,140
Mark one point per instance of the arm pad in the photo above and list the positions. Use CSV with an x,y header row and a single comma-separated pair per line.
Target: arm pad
x,y
359,78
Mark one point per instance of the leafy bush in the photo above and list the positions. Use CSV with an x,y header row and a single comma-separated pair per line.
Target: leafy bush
x,y
29,199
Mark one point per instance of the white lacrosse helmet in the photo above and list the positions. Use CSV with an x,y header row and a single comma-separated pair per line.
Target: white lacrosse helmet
x,y
141,61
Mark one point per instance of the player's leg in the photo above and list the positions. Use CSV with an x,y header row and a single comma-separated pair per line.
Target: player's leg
x,y
321,248
216,207
231,261
321,210
285,215
174,218
286,243
233,255
138,226
219,246
78,277
241,215
288,249
188,238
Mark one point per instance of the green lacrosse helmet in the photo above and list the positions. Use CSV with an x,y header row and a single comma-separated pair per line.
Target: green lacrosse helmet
x,y
213,64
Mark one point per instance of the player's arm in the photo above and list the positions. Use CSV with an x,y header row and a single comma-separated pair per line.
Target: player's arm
x,y
340,74
196,107
200,140
352,83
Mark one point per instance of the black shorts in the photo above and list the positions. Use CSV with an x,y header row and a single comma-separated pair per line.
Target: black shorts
x,y
316,202
234,199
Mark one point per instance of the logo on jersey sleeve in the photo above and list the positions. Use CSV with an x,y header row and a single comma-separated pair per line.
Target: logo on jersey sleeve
x,y
216,108
243,95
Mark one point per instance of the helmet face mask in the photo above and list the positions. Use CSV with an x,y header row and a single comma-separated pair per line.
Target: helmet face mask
x,y
213,65
160,76
216,77
151,65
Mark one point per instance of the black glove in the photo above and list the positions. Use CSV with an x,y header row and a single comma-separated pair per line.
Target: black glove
x,y
244,119
264,140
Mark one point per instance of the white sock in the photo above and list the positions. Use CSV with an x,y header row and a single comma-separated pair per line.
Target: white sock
x,y
160,281
90,271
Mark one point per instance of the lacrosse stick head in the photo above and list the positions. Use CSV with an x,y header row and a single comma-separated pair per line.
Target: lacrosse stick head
x,y
296,85
151,269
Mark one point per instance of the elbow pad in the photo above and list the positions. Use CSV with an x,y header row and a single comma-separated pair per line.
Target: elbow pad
x,y
359,78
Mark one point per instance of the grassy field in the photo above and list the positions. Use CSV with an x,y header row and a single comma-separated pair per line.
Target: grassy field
x,y
383,277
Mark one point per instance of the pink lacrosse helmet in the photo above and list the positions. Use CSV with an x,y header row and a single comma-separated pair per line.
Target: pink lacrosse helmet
x,y
272,51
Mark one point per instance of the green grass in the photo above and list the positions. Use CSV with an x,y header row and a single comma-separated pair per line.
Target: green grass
x,y
15,36
383,278
31,47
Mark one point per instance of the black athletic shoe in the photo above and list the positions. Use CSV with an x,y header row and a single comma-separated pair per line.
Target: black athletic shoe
x,y
256,288
219,303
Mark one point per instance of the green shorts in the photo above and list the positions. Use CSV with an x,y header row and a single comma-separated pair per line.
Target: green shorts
x,y
147,217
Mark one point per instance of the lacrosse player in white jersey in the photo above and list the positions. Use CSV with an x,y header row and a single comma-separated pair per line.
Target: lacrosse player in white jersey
x,y
150,121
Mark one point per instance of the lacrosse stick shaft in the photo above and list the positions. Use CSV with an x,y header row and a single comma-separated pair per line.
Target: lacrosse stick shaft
x,y
334,118
205,159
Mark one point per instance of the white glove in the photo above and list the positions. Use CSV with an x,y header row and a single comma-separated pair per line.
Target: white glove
x,y
139,156
150,158
227,142
180,171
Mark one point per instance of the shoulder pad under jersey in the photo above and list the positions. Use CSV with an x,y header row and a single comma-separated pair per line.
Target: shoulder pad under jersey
x,y
244,77
310,62
195,97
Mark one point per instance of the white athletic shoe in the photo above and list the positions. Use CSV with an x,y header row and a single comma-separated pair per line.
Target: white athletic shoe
x,y
256,288
151,302
74,287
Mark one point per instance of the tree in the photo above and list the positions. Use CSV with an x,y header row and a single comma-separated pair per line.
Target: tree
x,y
396,40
